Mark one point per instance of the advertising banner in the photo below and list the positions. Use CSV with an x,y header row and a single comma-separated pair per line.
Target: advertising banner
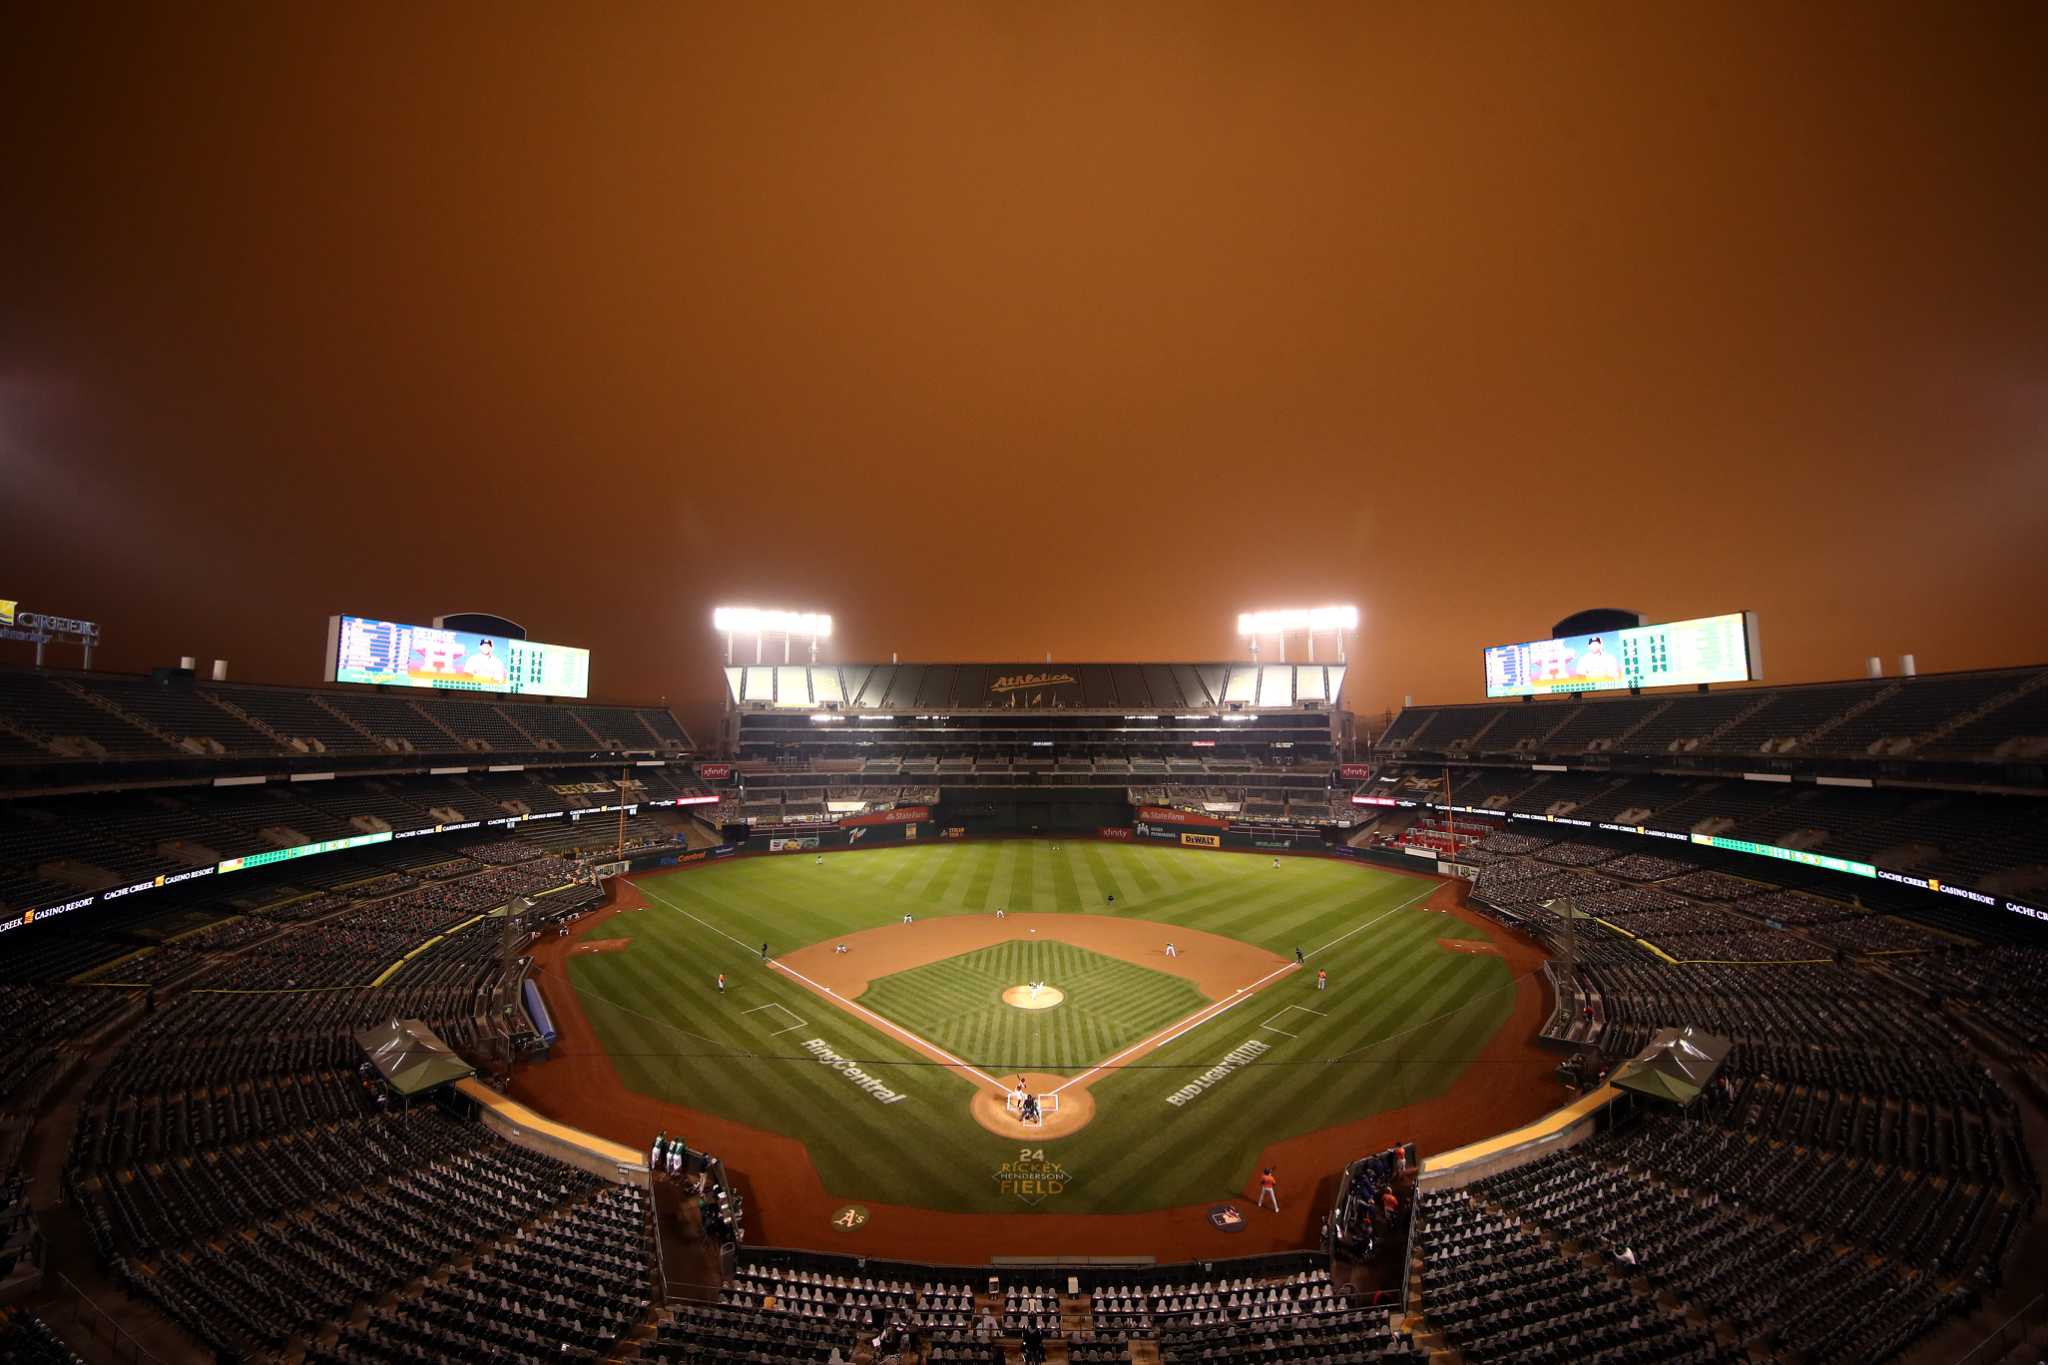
x,y
715,772
1202,840
1160,815
902,815
1113,832
1354,772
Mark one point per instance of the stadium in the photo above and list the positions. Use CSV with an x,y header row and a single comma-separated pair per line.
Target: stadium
x,y
1169,682
1152,1011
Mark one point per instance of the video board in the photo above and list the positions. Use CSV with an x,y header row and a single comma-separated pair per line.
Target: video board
x,y
1712,649
386,653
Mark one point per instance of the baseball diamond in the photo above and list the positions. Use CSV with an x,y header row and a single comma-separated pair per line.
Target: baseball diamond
x,y
917,1009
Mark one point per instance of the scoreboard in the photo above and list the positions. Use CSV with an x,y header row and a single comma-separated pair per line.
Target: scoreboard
x,y
1712,649
388,653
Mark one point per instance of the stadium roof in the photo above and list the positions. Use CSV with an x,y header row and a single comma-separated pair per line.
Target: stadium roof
x,y
1149,688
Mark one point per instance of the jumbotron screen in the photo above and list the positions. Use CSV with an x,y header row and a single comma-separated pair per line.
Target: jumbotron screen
x,y
1713,649
386,653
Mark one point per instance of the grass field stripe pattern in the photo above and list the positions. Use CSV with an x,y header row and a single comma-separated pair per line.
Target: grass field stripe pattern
x,y
706,923
1242,994
958,1003
1401,1021
897,1029
1184,1026
1420,895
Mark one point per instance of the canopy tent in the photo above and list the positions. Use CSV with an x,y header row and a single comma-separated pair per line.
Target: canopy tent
x,y
1678,1064
411,1057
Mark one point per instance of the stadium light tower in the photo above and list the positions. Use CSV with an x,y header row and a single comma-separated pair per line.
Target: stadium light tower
x,y
737,622
1309,621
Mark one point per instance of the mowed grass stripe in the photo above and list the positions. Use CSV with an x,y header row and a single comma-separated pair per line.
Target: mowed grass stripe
x,y
781,1088
958,1005
1272,1099
1387,982
1106,884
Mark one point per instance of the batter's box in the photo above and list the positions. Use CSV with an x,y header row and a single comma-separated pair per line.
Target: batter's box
x,y
782,1013
1270,1025
1048,1104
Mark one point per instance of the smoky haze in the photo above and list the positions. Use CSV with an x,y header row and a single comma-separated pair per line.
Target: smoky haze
x,y
999,329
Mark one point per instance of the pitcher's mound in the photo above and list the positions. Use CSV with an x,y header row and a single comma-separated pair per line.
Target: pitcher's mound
x,y
1076,1107
1023,998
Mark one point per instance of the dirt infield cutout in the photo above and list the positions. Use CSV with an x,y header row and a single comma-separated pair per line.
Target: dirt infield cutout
x,y
1467,945
1070,1113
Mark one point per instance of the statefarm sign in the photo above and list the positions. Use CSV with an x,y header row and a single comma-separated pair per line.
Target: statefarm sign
x,y
1160,815
902,815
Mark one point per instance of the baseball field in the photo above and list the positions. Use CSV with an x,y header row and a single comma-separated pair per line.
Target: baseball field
x,y
890,1048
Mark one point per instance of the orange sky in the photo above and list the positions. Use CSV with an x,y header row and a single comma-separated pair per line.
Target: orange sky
x,y
1000,328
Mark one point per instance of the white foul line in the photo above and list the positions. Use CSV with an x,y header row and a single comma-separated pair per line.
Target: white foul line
x,y
839,999
649,891
1231,1001
1172,1031
856,1006
1427,891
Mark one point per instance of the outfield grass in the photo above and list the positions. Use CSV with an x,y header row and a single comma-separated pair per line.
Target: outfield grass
x,y
958,1004
1398,1024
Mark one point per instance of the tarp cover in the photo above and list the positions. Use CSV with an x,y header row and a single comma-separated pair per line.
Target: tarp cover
x,y
1678,1064
411,1057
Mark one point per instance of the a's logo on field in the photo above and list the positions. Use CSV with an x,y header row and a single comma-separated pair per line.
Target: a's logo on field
x,y
1228,1217
1032,1177
848,1217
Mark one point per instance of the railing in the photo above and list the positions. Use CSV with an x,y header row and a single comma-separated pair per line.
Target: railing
x,y
78,1309
2031,1315
1408,1255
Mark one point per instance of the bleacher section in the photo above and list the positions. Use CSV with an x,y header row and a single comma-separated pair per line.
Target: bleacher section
x,y
93,849
53,721
1936,720
1255,741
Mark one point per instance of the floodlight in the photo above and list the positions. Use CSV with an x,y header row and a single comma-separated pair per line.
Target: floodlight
x,y
1314,619
806,625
